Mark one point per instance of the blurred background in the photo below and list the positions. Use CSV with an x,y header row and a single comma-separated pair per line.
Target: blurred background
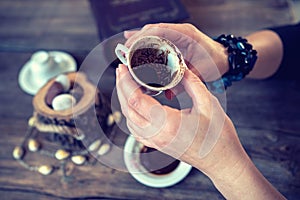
x,y
77,26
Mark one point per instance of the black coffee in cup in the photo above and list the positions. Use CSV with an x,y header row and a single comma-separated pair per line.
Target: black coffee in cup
x,y
157,162
150,66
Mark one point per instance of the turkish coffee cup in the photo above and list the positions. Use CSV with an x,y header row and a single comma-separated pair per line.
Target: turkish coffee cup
x,y
155,63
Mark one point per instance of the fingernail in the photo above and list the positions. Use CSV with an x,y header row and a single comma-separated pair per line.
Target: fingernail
x,y
169,94
120,68
117,71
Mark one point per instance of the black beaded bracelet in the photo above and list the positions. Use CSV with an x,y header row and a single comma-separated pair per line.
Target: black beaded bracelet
x,y
241,58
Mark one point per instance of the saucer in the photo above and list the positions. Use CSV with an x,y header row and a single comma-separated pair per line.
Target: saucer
x,y
131,157
28,79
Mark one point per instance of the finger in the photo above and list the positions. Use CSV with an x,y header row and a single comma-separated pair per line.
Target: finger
x,y
120,93
132,96
183,28
160,30
124,78
170,30
128,34
137,131
139,108
137,118
153,135
173,141
128,112
196,89
137,136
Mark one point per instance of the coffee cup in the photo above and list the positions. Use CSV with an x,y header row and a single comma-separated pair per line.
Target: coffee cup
x,y
155,63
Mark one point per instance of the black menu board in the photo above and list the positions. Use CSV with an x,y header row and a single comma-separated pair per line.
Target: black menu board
x,y
115,16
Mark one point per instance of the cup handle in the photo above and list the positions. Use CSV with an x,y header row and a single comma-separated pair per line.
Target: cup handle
x,y
121,51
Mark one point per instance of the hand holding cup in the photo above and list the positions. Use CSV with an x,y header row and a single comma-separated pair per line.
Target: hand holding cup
x,y
154,63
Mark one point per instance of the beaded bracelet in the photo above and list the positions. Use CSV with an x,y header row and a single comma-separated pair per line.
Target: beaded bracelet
x,y
241,58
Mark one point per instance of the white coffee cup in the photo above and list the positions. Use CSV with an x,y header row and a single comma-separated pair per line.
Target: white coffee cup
x,y
168,74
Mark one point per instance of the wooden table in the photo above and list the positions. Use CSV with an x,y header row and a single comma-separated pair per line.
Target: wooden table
x,y
265,113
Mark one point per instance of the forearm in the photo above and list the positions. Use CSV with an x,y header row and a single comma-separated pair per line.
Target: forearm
x,y
251,184
270,53
234,173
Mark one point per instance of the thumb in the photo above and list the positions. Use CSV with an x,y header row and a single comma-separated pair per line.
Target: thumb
x,y
196,90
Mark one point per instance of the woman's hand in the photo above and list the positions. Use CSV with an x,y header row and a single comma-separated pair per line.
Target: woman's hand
x,y
202,136
204,56
207,58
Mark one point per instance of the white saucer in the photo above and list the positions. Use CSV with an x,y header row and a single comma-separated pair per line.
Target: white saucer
x,y
131,158
27,79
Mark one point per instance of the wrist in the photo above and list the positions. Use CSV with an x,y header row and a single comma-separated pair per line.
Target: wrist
x,y
221,58
227,158
232,183
230,174
248,184
229,168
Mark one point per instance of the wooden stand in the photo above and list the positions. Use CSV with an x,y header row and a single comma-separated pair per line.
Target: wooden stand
x,y
91,110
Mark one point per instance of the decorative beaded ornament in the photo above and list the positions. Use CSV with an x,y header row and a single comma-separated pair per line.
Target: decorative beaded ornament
x,y
52,131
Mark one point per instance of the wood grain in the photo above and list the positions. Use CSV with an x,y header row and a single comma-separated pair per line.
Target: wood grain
x,y
236,16
62,25
265,113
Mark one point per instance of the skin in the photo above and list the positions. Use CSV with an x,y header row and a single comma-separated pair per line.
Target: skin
x,y
183,133
270,53
209,62
266,42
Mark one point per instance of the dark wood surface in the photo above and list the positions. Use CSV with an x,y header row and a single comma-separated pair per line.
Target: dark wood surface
x,y
265,113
